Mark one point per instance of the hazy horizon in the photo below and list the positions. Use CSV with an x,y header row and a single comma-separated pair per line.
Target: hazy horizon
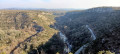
x,y
58,4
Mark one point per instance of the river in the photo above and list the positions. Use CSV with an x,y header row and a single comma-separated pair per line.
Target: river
x,y
68,46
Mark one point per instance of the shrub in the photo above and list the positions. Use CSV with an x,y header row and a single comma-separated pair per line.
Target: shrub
x,y
106,52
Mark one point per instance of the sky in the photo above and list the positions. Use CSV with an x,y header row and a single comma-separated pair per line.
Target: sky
x,y
50,4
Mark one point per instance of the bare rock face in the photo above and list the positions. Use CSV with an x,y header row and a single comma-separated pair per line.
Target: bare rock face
x,y
103,9
100,9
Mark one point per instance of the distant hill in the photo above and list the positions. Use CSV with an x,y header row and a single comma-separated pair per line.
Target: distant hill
x,y
42,9
103,9
57,12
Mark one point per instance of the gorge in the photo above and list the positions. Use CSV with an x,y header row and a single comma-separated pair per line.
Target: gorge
x,y
90,31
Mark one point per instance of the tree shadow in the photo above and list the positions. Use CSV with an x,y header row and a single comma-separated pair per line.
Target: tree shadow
x,y
54,45
38,30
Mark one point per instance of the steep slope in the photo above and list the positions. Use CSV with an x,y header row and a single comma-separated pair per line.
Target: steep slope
x,y
104,21
16,26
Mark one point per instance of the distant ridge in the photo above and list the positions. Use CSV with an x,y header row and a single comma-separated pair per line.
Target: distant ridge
x,y
102,9
42,9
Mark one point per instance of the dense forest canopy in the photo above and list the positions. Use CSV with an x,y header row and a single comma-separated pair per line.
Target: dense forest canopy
x,y
104,21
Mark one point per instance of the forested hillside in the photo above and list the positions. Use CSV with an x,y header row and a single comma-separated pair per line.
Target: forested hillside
x,y
23,30
105,23
91,31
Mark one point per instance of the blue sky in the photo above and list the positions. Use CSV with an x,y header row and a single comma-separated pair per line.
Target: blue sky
x,y
57,3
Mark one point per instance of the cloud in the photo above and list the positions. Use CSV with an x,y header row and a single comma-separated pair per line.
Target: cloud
x,y
57,3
